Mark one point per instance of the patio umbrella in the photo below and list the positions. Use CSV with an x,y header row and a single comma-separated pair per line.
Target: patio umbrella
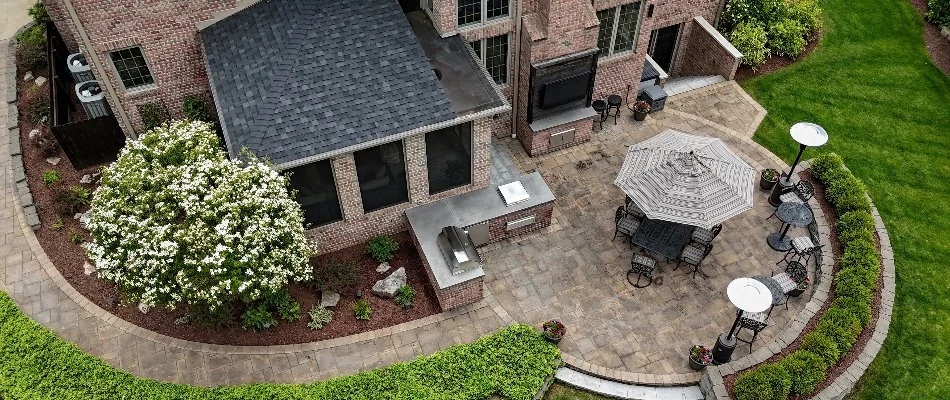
x,y
686,179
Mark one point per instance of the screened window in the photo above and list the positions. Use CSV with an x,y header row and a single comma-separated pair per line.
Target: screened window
x,y
131,66
316,193
493,52
449,157
381,172
618,29
478,11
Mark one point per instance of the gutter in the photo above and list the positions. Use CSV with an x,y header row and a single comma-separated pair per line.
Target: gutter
x,y
101,76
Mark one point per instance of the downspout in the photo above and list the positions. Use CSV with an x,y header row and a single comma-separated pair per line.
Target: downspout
x,y
515,101
102,77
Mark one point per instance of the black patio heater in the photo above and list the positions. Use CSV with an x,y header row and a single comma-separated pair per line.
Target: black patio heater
x,y
806,134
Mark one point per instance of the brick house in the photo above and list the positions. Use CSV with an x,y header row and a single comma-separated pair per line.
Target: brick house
x,y
380,106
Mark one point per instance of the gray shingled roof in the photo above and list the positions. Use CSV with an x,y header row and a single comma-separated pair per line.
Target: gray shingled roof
x,y
294,79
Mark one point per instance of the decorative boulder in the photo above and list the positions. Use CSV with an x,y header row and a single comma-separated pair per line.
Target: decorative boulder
x,y
329,299
86,179
388,287
88,268
383,267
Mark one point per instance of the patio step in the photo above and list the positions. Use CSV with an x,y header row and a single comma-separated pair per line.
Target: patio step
x,y
626,391
684,84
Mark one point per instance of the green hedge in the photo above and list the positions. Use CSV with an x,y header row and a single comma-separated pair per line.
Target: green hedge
x,y
838,328
938,12
513,362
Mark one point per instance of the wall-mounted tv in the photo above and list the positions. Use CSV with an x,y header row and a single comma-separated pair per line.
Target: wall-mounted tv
x,y
566,90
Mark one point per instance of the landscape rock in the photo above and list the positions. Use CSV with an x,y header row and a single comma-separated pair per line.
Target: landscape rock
x,y
84,219
88,268
77,216
329,299
34,134
388,287
40,81
144,308
28,76
383,267
53,160
86,179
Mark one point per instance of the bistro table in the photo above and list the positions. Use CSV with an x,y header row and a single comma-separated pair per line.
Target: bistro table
x,y
791,214
662,237
746,294
778,296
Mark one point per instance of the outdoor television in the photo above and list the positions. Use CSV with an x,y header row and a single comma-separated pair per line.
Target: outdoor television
x,y
566,90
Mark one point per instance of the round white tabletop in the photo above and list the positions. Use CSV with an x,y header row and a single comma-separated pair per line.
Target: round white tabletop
x,y
750,295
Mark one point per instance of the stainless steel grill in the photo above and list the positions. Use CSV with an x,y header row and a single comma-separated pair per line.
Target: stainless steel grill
x,y
459,252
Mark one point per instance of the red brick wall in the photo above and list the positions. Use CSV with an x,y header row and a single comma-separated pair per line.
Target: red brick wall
x,y
65,26
166,32
496,227
453,296
357,226
705,56
536,143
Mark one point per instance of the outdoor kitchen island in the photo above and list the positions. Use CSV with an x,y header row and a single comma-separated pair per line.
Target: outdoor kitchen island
x,y
447,232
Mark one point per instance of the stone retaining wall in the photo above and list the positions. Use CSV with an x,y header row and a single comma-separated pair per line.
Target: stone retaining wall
x,y
712,383
8,81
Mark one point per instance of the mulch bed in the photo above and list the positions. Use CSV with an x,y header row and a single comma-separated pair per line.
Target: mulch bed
x,y
69,257
937,46
845,361
776,63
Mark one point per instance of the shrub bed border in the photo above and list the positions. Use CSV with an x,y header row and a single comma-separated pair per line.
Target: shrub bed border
x,y
712,383
10,81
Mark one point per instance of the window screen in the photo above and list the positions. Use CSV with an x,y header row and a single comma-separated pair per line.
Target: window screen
x,y
131,67
316,193
449,157
381,172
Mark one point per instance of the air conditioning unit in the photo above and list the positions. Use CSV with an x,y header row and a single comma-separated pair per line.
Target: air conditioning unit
x,y
79,68
93,99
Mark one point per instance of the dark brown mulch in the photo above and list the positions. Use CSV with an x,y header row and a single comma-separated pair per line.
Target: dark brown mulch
x,y
937,46
68,257
776,63
845,361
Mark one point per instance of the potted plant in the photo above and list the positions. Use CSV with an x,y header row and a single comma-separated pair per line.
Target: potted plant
x,y
640,110
699,357
768,179
803,282
553,331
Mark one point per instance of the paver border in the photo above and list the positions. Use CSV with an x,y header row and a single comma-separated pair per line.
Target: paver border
x,y
712,381
9,84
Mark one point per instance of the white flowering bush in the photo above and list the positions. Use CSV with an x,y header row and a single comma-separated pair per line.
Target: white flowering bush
x,y
174,220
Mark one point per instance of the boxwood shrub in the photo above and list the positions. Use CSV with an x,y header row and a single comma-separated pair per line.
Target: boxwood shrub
x,y
750,40
768,382
787,38
822,345
824,163
858,308
806,370
841,327
513,363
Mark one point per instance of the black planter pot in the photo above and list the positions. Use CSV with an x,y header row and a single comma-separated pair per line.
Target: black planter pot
x,y
797,292
696,365
639,116
553,339
766,184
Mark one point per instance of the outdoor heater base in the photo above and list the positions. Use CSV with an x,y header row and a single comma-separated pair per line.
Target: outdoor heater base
x,y
781,187
722,352
779,242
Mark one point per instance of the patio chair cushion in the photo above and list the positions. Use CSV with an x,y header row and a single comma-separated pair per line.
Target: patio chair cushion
x,y
791,197
785,281
628,225
706,236
803,244
692,254
754,321
634,211
642,264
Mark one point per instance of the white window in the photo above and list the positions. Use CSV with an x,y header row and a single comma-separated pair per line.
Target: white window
x,y
478,11
618,29
493,52
131,67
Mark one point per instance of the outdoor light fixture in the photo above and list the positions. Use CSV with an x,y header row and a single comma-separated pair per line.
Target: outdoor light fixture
x,y
806,134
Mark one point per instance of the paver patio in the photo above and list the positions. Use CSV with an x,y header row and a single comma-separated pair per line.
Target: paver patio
x,y
575,272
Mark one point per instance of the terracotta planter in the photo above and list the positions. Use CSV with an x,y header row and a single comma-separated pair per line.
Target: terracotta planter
x,y
766,184
639,116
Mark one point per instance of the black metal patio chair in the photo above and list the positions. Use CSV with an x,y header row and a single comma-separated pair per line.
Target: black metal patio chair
x,y
800,193
642,266
705,236
802,250
693,255
754,322
625,223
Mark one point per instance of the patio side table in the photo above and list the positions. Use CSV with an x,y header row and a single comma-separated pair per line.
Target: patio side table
x,y
613,103
791,214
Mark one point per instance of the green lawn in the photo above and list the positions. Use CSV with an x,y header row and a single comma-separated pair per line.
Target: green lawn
x,y
559,391
886,108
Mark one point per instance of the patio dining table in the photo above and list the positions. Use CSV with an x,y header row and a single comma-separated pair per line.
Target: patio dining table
x,y
662,237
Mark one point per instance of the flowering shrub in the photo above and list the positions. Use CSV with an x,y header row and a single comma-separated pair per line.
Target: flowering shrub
x,y
174,220
553,329
700,354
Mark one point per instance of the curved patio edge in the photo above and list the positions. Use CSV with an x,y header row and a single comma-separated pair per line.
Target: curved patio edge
x,y
712,382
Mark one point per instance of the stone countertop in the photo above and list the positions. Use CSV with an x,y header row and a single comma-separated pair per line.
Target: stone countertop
x,y
465,210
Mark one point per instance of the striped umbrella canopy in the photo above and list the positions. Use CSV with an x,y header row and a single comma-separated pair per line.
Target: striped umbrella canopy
x,y
686,179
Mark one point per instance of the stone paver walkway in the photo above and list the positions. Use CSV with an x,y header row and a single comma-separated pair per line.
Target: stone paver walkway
x,y
626,391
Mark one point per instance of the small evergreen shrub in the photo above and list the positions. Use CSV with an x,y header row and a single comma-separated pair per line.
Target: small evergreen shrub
x,y
821,345
860,309
198,108
805,12
30,51
382,248
841,327
51,177
257,318
335,275
938,12
855,225
767,382
153,115
39,14
852,282
855,201
203,316
37,105
750,39
319,317
405,296
787,38
362,310
824,163
806,370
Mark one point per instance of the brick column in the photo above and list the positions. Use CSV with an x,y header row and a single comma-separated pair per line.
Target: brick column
x,y
415,148
481,152
348,187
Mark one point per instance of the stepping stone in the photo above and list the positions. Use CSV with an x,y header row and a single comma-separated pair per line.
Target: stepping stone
x,y
144,308
40,81
53,160
88,268
28,76
329,299
86,179
388,287
383,267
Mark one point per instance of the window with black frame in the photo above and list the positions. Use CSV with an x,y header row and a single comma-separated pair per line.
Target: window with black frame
x,y
316,193
381,172
449,157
